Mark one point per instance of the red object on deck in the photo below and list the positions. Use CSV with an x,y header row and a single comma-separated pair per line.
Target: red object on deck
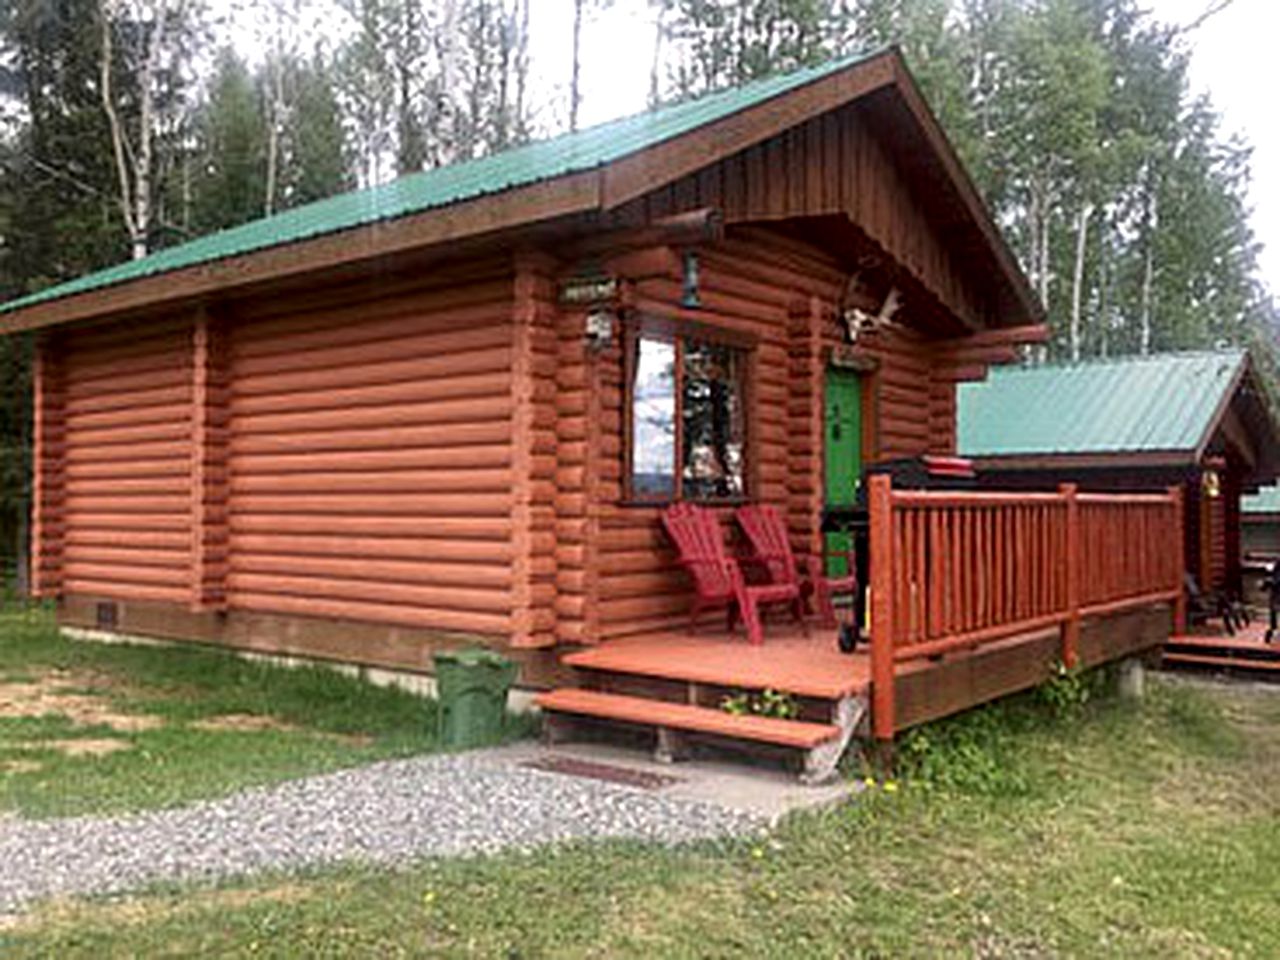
x,y
766,530
948,466
717,579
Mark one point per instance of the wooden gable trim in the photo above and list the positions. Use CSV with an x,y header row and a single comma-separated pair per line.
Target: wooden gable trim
x,y
1119,460
643,172
906,87
1220,410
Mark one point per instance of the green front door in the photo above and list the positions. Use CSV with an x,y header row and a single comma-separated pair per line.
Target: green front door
x,y
842,451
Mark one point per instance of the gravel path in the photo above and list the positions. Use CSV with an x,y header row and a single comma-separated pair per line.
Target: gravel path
x,y
386,813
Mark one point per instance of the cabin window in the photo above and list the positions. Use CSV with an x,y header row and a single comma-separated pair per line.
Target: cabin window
x,y
687,419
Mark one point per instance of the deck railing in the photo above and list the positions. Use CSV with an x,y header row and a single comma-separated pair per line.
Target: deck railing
x,y
953,571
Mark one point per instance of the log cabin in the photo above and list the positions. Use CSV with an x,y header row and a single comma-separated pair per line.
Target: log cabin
x,y
1260,514
450,409
1200,420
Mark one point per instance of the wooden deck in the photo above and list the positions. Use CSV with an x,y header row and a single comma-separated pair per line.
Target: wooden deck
x,y
789,661
1209,648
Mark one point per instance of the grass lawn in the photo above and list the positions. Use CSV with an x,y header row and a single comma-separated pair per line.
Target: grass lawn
x,y
1127,830
95,728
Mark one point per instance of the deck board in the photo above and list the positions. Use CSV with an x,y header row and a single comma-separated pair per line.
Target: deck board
x,y
787,661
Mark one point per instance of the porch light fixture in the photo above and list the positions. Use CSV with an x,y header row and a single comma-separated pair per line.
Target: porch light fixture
x,y
689,297
1211,484
599,327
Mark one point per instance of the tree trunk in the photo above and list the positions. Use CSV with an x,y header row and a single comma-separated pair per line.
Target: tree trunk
x,y
1148,275
655,64
575,88
274,121
1077,276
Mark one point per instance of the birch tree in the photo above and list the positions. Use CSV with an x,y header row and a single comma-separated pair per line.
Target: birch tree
x,y
143,45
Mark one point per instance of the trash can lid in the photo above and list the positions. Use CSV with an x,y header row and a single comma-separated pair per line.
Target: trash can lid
x,y
472,657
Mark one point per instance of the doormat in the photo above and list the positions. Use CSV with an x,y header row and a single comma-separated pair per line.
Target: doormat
x,y
573,767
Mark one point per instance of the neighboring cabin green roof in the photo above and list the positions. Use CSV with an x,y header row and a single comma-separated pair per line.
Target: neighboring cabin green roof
x,y
544,160
1160,403
1266,500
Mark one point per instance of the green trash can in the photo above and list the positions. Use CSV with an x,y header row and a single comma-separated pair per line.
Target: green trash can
x,y
472,686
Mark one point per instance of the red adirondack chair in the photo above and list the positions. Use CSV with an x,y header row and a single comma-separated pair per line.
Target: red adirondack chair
x,y
766,531
717,578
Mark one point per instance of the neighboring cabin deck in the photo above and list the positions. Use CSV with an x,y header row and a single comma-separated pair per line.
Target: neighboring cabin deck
x,y
1210,649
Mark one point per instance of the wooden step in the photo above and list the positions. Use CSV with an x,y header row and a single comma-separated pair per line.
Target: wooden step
x,y
1208,660
679,716
1241,643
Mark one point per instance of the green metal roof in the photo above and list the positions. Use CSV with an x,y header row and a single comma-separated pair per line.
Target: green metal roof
x,y
570,153
1266,500
1160,403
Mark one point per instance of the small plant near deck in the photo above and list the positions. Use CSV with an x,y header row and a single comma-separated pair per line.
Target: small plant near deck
x,y
1068,689
767,703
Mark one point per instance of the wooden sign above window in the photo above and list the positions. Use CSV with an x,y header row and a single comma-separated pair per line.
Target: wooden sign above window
x,y
593,289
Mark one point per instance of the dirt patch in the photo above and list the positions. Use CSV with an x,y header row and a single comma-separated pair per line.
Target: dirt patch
x,y
140,910
21,766
243,723
84,747
62,693
257,723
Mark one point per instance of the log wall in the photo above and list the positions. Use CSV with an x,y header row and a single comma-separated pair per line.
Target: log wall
x,y
371,462
125,393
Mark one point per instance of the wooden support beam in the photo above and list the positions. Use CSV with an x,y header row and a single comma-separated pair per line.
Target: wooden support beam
x,y
48,458
1179,549
882,626
210,425
1071,626
533,457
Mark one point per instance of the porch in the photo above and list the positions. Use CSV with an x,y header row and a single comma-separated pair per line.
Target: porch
x,y
1205,648
971,596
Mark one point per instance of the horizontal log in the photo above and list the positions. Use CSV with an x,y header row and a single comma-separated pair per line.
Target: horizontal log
x,y
140,506
355,439
371,611
385,505
174,395
441,549
113,590
465,411
175,469
86,437
366,525
486,457
163,414
378,570
428,390
374,482
458,599
137,575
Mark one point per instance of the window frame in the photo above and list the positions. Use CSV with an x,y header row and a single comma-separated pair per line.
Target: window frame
x,y
676,332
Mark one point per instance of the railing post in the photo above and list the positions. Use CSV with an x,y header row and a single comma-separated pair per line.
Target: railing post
x,y
1179,553
882,560
1071,627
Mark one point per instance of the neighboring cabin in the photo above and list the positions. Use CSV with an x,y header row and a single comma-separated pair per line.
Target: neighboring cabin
x,y
1260,514
1198,420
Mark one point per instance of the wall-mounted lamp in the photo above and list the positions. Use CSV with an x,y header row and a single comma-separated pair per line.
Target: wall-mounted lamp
x,y
599,327
689,297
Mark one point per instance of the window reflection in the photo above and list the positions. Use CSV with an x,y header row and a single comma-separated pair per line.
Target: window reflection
x,y
714,427
653,421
